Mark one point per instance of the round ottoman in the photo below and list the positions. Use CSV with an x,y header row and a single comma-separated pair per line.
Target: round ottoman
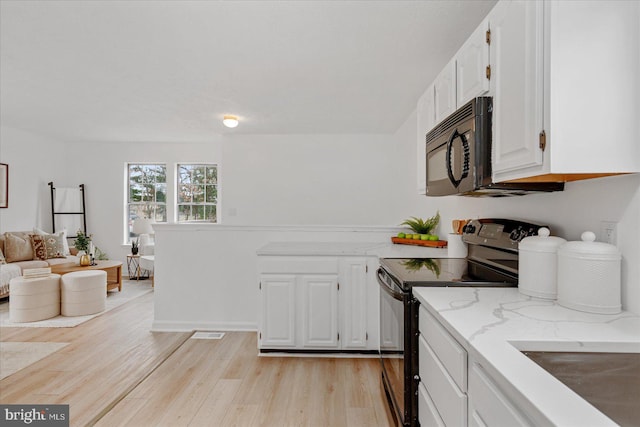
x,y
34,299
83,292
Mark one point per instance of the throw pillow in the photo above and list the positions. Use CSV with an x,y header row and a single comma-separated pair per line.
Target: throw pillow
x,y
39,247
2,260
17,247
62,233
53,245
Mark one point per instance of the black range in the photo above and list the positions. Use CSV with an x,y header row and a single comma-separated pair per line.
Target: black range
x,y
492,261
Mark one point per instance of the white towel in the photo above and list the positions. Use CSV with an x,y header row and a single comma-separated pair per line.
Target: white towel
x,y
67,200
72,223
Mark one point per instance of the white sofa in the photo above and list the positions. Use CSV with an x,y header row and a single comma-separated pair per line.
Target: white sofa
x,y
18,259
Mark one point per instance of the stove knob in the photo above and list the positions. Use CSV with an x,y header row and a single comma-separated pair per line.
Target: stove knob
x,y
469,229
514,235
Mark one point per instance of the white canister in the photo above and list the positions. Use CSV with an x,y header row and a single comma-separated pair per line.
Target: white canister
x,y
537,265
589,276
456,248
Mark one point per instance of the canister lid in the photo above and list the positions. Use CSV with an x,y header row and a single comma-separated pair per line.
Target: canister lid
x,y
588,246
543,242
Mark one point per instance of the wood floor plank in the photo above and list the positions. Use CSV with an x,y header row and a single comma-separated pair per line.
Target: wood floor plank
x,y
115,372
107,356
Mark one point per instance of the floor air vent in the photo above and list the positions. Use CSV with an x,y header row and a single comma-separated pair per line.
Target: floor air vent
x,y
204,335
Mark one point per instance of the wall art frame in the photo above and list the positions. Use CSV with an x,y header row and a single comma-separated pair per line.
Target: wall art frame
x,y
4,185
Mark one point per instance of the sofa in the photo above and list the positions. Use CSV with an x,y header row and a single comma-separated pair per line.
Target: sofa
x,y
20,250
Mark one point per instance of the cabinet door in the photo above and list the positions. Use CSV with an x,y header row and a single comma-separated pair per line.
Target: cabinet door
x,y
426,121
353,303
517,86
278,311
488,406
472,61
320,311
445,92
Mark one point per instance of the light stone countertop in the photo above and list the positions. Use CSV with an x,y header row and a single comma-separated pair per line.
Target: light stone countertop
x,y
381,250
495,324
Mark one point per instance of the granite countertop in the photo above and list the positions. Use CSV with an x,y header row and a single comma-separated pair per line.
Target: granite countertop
x,y
382,250
496,324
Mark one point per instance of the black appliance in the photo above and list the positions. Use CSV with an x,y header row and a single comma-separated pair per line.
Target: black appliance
x,y
492,261
458,158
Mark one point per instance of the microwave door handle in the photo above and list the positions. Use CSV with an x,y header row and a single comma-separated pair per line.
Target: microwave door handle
x,y
465,166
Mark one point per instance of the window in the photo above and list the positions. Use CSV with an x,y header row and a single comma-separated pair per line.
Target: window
x,y
197,187
147,193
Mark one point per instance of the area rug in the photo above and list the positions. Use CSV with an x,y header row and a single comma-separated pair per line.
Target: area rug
x,y
18,355
130,289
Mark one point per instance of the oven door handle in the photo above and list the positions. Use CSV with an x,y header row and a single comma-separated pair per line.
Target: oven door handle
x,y
391,290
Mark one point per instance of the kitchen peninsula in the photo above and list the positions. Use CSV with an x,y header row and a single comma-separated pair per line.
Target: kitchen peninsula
x,y
495,327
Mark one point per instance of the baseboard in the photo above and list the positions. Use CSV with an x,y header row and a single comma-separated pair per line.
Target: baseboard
x,y
187,326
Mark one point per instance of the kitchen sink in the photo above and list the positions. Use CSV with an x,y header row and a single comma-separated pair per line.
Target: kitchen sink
x,y
608,381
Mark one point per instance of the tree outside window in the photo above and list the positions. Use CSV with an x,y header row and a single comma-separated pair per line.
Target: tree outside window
x,y
147,193
197,187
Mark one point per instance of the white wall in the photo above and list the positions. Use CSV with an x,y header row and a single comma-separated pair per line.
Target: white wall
x,y
307,179
33,162
102,168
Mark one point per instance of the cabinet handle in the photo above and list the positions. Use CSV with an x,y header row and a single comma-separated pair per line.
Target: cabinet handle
x,y
543,140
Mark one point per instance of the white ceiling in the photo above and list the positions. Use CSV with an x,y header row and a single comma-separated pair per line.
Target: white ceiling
x,y
169,70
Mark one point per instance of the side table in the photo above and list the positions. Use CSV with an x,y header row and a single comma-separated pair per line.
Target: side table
x,y
134,269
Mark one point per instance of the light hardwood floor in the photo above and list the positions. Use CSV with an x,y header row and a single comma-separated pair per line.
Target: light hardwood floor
x,y
116,372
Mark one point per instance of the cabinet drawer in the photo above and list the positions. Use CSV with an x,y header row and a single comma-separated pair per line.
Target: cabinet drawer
x,y
451,354
488,406
297,264
427,413
449,400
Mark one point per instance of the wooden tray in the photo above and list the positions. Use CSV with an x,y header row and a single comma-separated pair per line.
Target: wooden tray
x,y
429,243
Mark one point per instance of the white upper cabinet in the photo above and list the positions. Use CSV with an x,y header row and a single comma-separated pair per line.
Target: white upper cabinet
x,y
516,84
566,89
426,113
472,66
463,78
445,91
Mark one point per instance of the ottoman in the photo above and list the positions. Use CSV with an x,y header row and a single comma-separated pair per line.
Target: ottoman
x,y
34,299
83,292
146,263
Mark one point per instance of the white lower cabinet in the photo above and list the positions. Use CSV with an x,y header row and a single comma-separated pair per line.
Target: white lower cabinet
x,y
278,311
488,406
455,390
315,303
443,373
428,415
320,311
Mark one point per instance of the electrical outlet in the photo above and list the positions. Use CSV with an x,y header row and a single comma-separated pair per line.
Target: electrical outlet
x,y
609,232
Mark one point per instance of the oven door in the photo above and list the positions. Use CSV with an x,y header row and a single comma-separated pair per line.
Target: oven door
x,y
396,320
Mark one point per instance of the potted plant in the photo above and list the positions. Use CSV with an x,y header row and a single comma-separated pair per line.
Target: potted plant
x,y
423,226
134,247
82,245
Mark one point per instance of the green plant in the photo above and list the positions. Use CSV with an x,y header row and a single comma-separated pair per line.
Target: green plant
x,y
101,256
421,226
134,245
416,264
82,241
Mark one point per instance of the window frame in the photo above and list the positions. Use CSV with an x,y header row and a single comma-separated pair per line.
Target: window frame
x,y
208,188
128,234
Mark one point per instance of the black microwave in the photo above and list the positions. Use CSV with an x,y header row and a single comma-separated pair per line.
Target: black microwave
x,y
458,156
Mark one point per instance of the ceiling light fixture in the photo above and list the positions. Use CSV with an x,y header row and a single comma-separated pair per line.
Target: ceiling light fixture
x,y
230,121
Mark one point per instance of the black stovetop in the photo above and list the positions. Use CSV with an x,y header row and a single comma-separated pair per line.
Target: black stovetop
x,y
445,272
